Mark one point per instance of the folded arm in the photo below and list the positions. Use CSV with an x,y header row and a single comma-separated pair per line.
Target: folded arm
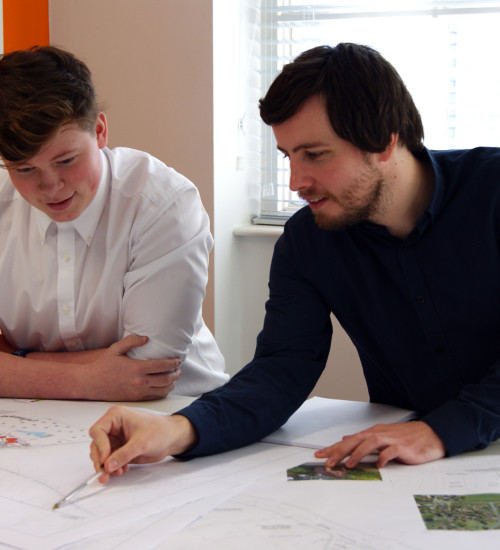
x,y
165,285
162,295
105,375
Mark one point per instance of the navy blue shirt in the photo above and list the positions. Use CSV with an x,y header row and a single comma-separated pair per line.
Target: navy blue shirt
x,y
423,313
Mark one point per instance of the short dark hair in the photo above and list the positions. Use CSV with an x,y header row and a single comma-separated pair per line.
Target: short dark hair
x,y
40,90
366,99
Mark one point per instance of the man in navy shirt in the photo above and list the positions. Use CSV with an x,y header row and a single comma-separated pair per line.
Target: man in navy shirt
x,y
401,243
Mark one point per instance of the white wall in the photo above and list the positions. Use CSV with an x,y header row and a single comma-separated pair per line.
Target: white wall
x,y
235,199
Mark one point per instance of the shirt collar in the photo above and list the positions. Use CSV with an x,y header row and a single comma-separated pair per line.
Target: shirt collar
x,y
438,198
86,223
431,212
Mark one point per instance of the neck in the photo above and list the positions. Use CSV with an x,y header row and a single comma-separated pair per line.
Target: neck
x,y
410,185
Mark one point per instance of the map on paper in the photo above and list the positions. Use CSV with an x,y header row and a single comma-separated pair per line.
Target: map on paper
x,y
21,431
460,512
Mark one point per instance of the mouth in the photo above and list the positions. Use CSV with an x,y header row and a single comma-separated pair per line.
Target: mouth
x,y
316,203
60,205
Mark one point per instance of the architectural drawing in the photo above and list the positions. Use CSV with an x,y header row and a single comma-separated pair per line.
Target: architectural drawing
x,y
21,431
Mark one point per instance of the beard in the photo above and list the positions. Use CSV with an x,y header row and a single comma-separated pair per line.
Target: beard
x,y
361,202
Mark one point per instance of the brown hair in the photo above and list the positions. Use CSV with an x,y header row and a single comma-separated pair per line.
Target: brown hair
x,y
40,90
366,99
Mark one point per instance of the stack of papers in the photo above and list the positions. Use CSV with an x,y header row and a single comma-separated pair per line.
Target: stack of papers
x,y
321,422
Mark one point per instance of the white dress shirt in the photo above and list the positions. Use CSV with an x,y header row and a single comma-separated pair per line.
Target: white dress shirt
x,y
135,261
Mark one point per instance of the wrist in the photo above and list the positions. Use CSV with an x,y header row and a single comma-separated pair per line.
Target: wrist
x,y
21,352
186,434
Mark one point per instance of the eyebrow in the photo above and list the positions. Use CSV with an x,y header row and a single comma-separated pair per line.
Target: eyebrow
x,y
302,146
54,159
64,154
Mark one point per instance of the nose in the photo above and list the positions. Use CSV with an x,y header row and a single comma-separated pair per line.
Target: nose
x,y
299,178
50,183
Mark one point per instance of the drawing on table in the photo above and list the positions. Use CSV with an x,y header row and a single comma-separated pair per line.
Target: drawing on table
x,y
364,471
20,431
460,512
250,520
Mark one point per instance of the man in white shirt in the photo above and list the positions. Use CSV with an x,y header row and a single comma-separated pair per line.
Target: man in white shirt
x,y
104,253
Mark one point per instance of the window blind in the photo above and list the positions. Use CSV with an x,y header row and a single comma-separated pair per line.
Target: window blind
x,y
444,51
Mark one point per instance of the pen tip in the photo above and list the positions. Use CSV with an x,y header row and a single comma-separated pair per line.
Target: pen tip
x,y
56,506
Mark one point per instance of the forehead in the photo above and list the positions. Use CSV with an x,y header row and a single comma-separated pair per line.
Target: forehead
x,y
65,139
309,124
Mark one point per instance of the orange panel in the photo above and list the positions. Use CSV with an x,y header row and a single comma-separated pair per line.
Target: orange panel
x,y
25,24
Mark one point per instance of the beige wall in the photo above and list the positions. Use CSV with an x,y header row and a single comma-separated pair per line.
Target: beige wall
x,y
152,66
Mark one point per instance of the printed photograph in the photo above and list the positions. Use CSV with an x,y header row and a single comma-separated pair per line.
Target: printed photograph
x,y
364,471
460,513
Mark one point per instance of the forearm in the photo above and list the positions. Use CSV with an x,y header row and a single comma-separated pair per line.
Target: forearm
x,y
463,427
291,354
25,378
66,357
62,357
110,376
472,420
254,403
187,435
5,346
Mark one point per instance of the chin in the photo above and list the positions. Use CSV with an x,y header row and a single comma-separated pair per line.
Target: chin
x,y
330,222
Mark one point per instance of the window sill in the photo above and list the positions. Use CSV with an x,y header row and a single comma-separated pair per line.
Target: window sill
x,y
251,230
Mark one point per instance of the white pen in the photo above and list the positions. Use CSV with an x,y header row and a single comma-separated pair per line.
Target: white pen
x,y
64,500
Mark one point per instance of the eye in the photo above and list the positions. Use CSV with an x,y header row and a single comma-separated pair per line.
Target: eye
x,y
23,170
65,162
313,155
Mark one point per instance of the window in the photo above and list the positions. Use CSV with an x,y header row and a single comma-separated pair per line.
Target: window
x,y
445,52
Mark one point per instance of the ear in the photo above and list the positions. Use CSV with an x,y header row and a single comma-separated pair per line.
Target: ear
x,y
101,130
386,155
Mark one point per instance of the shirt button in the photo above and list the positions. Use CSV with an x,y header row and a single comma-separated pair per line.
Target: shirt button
x,y
66,257
65,310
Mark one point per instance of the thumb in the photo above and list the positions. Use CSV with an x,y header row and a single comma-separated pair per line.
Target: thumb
x,y
130,341
118,462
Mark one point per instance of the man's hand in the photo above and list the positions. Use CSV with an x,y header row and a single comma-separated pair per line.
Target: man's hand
x,y
124,436
112,376
408,442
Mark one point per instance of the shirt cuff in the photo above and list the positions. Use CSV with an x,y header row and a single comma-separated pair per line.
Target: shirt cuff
x,y
460,427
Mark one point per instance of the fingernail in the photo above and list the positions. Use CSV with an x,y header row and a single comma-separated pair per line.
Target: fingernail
x,y
112,465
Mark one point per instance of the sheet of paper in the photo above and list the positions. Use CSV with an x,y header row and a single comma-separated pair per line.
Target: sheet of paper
x,y
276,514
240,499
321,422
34,477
